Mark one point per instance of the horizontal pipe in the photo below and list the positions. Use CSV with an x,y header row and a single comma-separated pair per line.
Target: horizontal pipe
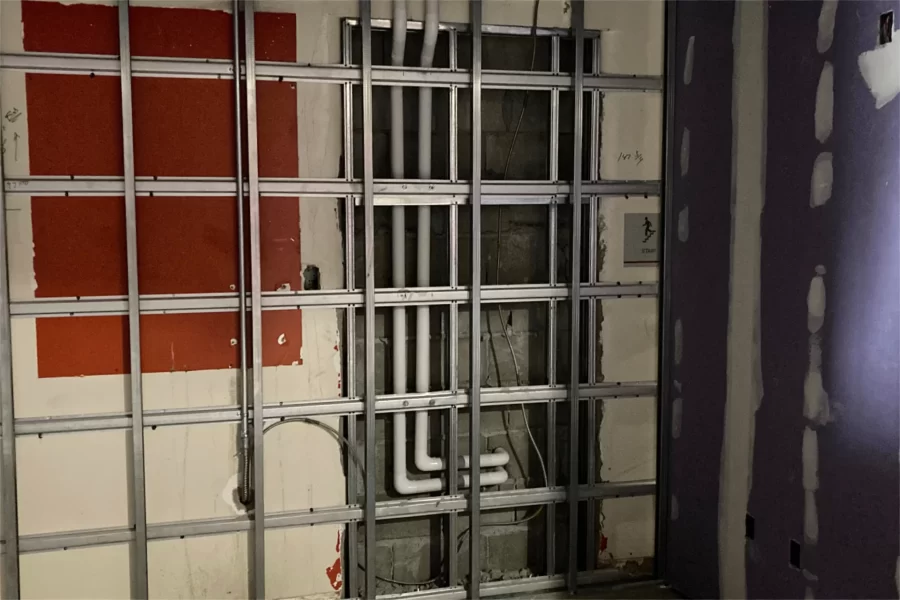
x,y
428,463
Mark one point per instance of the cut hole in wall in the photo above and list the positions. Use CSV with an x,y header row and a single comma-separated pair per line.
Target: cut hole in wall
x,y
749,527
794,557
886,28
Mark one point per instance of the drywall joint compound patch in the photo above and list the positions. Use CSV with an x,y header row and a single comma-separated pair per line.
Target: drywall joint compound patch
x,y
880,69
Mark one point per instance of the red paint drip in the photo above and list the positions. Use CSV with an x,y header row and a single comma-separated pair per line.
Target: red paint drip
x,y
334,575
337,546
603,541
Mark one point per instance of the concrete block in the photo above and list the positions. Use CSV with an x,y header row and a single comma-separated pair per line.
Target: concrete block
x,y
509,548
417,559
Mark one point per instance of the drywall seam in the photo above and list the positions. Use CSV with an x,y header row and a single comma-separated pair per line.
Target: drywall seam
x,y
826,25
880,69
744,390
824,118
689,62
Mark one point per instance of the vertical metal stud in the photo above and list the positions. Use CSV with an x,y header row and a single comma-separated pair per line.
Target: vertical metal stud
x,y
243,392
138,495
575,335
352,544
259,521
475,329
553,317
365,13
453,432
664,376
593,339
9,501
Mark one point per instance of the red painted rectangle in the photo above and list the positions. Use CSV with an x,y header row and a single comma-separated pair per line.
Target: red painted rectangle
x,y
182,127
84,346
74,124
186,245
155,31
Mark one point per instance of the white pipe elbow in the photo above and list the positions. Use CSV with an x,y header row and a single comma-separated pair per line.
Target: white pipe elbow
x,y
402,483
488,478
498,458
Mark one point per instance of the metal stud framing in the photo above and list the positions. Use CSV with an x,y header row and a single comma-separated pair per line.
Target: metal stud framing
x,y
138,488
367,192
475,326
575,329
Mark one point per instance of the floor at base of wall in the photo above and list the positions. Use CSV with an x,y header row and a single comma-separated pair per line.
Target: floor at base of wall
x,y
649,590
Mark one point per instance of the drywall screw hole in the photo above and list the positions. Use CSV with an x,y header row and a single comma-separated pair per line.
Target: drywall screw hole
x,y
153,428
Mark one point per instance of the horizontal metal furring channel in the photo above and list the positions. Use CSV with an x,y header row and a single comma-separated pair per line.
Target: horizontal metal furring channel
x,y
486,28
526,586
391,509
188,303
381,76
384,404
387,192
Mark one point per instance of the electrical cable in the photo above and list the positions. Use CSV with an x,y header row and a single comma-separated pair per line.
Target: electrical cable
x,y
337,435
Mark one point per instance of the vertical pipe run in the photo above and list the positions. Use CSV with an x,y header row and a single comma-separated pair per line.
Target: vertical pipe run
x,y
475,328
244,485
575,331
9,510
365,13
138,495
259,531
664,376
423,260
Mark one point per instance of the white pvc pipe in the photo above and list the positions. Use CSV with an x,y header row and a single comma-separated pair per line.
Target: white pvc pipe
x,y
424,461
402,483
398,220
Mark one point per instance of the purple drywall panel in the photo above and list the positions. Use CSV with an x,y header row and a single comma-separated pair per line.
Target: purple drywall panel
x,y
859,493
699,277
854,238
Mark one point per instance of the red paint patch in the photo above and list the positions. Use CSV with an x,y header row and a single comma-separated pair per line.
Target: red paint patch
x,y
78,346
603,543
335,577
185,245
337,546
164,32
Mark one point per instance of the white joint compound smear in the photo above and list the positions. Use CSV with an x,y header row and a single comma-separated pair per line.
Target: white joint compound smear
x,y
684,229
826,25
685,151
678,342
881,70
673,509
810,485
897,576
677,407
689,62
744,391
822,177
809,594
825,103
815,302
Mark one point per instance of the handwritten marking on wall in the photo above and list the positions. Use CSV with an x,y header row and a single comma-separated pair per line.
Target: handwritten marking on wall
x,y
637,157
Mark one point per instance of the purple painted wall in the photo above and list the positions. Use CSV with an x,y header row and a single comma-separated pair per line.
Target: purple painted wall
x,y
699,276
855,236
